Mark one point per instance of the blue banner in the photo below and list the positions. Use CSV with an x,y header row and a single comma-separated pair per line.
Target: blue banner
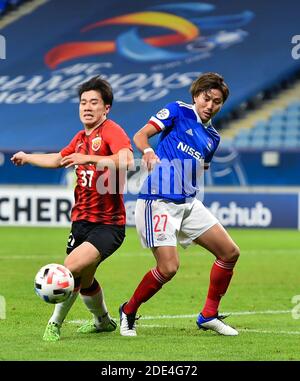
x,y
254,210
51,206
149,50
246,210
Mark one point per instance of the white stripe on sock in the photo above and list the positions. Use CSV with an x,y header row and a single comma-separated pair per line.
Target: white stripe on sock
x,y
225,265
157,276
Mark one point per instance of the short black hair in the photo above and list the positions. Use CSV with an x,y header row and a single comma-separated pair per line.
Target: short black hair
x,y
98,84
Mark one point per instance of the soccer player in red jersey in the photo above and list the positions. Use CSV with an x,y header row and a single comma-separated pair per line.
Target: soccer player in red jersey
x,y
101,154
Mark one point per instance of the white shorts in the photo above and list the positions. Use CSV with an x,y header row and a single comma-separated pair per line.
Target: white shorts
x,y
164,223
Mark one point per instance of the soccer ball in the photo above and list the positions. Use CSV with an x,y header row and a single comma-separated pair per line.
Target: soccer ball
x,y
54,283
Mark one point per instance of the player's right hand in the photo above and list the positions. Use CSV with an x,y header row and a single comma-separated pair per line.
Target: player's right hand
x,y
19,158
149,160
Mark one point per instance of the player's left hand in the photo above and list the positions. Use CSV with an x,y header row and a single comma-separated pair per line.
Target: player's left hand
x,y
19,158
74,159
149,160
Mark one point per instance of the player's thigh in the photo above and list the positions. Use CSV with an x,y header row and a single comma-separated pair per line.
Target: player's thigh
x,y
77,235
217,240
82,257
106,238
158,222
100,241
198,219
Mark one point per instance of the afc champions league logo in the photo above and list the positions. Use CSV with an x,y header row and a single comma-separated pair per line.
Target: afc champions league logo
x,y
163,114
175,31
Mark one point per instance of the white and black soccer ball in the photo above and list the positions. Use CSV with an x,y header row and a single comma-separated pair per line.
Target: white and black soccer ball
x,y
54,283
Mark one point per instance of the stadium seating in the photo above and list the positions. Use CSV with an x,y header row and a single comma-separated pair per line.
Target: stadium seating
x,y
281,130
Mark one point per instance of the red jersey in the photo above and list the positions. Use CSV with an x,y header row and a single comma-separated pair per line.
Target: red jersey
x,y
91,204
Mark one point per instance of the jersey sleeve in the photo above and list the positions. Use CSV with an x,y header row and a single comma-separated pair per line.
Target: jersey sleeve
x,y
116,138
71,147
165,117
209,157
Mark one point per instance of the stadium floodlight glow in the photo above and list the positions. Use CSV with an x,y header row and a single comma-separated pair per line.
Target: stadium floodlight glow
x,y
2,47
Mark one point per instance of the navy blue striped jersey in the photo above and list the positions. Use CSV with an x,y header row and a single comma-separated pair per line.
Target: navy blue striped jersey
x,y
186,145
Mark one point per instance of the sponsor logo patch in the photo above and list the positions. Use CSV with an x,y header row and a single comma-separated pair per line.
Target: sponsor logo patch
x,y
161,237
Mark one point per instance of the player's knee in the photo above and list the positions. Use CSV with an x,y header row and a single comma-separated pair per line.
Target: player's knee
x,y
169,271
233,254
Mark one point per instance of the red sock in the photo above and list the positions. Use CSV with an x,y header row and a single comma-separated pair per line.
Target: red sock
x,y
92,290
77,284
150,284
220,276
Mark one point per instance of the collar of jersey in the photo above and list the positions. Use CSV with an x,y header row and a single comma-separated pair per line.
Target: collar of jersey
x,y
205,125
97,128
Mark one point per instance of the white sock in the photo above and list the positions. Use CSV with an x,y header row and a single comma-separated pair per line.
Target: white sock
x,y
96,305
61,309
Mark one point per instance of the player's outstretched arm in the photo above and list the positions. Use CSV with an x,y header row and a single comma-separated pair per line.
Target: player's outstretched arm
x,y
122,159
45,160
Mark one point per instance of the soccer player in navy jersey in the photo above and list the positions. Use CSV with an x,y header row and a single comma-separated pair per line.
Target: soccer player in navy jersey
x,y
100,152
169,210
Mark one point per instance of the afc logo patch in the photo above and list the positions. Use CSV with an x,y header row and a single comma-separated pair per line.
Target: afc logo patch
x,y
163,114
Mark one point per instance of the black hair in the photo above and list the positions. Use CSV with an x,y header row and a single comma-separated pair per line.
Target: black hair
x,y
101,86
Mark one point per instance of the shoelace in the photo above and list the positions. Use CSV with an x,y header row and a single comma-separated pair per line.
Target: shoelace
x,y
53,327
52,324
131,319
222,317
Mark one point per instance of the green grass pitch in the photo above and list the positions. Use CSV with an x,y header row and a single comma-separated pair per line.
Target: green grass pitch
x,y
260,299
